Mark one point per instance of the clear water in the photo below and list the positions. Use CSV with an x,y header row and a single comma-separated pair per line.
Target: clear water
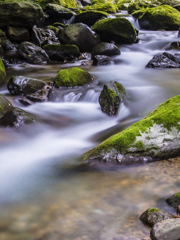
x,y
43,195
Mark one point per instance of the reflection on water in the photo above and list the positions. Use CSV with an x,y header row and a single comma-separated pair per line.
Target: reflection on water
x,y
41,198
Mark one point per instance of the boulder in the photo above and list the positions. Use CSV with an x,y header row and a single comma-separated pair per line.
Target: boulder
x,y
61,52
142,4
5,105
80,35
152,138
154,215
2,71
174,200
89,17
104,7
168,229
15,117
72,77
110,98
173,45
57,11
161,17
100,60
18,34
32,53
118,29
8,45
108,49
36,37
19,14
164,60
34,89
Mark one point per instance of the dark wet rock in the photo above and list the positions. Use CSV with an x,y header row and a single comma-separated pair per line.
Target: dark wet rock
x,y
108,49
46,42
100,60
72,77
174,200
177,7
18,34
80,35
48,34
2,34
36,37
89,17
173,45
57,11
118,29
8,45
15,117
110,98
2,71
32,53
168,229
19,14
54,29
161,17
5,105
154,215
25,101
155,137
61,52
86,2
164,60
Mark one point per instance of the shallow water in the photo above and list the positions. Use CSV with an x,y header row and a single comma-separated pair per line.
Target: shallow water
x,y
43,196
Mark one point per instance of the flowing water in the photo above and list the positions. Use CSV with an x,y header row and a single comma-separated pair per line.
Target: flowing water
x,y
44,196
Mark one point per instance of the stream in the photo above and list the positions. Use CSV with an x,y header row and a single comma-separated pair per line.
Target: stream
x,y
43,195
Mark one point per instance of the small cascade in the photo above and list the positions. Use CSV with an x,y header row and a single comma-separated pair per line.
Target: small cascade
x,y
69,21
72,97
134,21
91,96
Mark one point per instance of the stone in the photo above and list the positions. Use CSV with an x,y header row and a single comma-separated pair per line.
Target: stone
x,y
61,52
2,71
108,49
18,34
36,37
154,215
168,229
57,11
155,137
110,98
8,45
104,7
118,29
80,35
5,105
19,14
32,53
100,60
72,77
174,200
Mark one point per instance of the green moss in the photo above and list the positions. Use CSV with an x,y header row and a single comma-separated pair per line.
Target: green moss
x,y
64,3
2,70
167,114
121,89
54,29
177,195
63,48
57,24
104,7
139,145
152,210
72,77
112,93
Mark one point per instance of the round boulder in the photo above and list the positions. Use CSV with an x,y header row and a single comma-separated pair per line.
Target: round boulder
x,y
57,11
174,200
18,34
80,35
108,49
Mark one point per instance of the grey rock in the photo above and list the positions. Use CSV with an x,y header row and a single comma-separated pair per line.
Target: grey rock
x,y
100,60
18,34
8,45
5,105
36,37
57,11
108,49
174,200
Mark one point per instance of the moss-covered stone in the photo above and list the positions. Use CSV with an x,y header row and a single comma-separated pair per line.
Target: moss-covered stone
x,y
57,24
119,30
72,77
90,17
58,11
64,3
2,71
108,49
162,124
104,7
174,200
161,17
55,29
5,105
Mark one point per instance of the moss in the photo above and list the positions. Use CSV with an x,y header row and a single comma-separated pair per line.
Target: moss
x,y
104,7
57,24
64,3
2,70
167,114
177,195
54,29
152,210
112,93
139,145
164,17
121,89
66,48
72,77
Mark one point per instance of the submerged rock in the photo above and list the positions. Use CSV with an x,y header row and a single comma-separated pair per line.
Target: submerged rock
x,y
80,35
118,29
154,215
32,53
110,98
19,14
168,229
161,17
164,60
100,60
174,200
108,49
61,52
154,137
18,34
72,77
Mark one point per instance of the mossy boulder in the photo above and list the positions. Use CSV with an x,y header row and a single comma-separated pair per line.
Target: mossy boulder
x,y
104,7
174,200
140,5
154,215
90,17
108,49
5,105
119,30
161,17
64,3
110,98
19,14
61,52
154,137
18,34
72,77
80,35
2,71
57,11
